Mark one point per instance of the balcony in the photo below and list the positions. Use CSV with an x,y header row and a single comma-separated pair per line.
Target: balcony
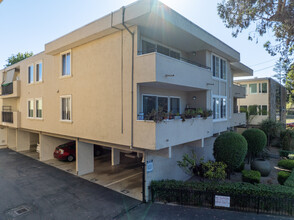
x,y
10,119
155,67
239,91
152,135
238,119
10,90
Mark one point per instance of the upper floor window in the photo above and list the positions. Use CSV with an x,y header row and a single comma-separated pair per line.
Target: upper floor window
x,y
30,108
66,108
245,86
262,87
39,108
219,108
39,72
31,74
148,47
253,88
65,59
219,67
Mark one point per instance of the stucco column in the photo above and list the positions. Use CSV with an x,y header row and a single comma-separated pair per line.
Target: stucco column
x,y
11,138
84,158
115,156
22,140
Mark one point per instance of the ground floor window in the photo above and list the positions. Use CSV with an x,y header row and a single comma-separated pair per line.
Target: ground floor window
x,y
263,110
243,108
160,103
219,107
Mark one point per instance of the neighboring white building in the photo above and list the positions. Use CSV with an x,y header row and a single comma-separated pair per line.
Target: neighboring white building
x,y
96,85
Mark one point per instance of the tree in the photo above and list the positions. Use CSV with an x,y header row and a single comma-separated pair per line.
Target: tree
x,y
18,57
267,15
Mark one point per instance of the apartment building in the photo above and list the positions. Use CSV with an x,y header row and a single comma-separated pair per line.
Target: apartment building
x,y
97,84
265,98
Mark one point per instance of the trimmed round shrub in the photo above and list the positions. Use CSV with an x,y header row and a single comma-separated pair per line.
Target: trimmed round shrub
x,y
240,168
283,176
256,140
286,164
230,148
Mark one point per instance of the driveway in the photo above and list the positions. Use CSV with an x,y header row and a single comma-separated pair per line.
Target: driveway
x,y
49,193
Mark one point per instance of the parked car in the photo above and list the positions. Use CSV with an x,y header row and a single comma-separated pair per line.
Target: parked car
x,y
67,151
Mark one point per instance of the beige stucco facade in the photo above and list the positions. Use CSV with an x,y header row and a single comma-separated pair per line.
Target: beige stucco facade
x,y
107,83
266,96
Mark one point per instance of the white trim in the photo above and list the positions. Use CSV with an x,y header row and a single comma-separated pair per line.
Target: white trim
x,y
61,97
211,67
36,63
219,97
35,102
70,73
30,100
32,64
257,88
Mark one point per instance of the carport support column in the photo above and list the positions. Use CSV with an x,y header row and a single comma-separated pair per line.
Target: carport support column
x,y
22,140
84,158
115,156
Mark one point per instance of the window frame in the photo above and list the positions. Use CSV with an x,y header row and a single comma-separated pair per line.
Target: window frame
x,y
219,108
162,96
61,64
250,88
70,106
36,72
213,66
28,108
28,74
36,116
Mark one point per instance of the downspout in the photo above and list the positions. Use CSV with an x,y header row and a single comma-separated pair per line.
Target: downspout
x,y
132,79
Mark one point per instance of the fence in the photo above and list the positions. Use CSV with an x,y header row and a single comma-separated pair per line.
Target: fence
x,y
246,203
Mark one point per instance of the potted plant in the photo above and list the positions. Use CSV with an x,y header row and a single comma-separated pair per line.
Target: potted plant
x,y
177,116
199,112
206,114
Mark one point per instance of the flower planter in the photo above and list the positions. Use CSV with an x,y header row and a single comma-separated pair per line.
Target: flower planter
x,y
261,165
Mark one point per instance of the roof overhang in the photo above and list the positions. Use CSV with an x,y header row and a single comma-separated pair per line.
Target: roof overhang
x,y
239,69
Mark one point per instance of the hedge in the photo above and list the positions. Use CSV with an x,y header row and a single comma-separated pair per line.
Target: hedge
x,y
286,164
290,181
230,189
283,176
251,176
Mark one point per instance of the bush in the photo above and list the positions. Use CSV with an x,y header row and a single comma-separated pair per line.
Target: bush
x,y
214,170
285,153
283,176
188,163
271,128
232,189
230,148
240,168
256,140
290,181
286,164
287,138
251,176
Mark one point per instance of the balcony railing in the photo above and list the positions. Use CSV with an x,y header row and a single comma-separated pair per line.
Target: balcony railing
x,y
7,89
152,50
7,117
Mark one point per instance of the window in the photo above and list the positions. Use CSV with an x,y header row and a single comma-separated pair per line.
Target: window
x,y
165,104
243,108
148,47
30,108
262,87
39,72
219,107
253,88
263,110
39,108
252,110
219,67
174,105
31,74
66,108
66,64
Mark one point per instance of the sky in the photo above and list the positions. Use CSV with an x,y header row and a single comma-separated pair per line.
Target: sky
x,y
27,25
